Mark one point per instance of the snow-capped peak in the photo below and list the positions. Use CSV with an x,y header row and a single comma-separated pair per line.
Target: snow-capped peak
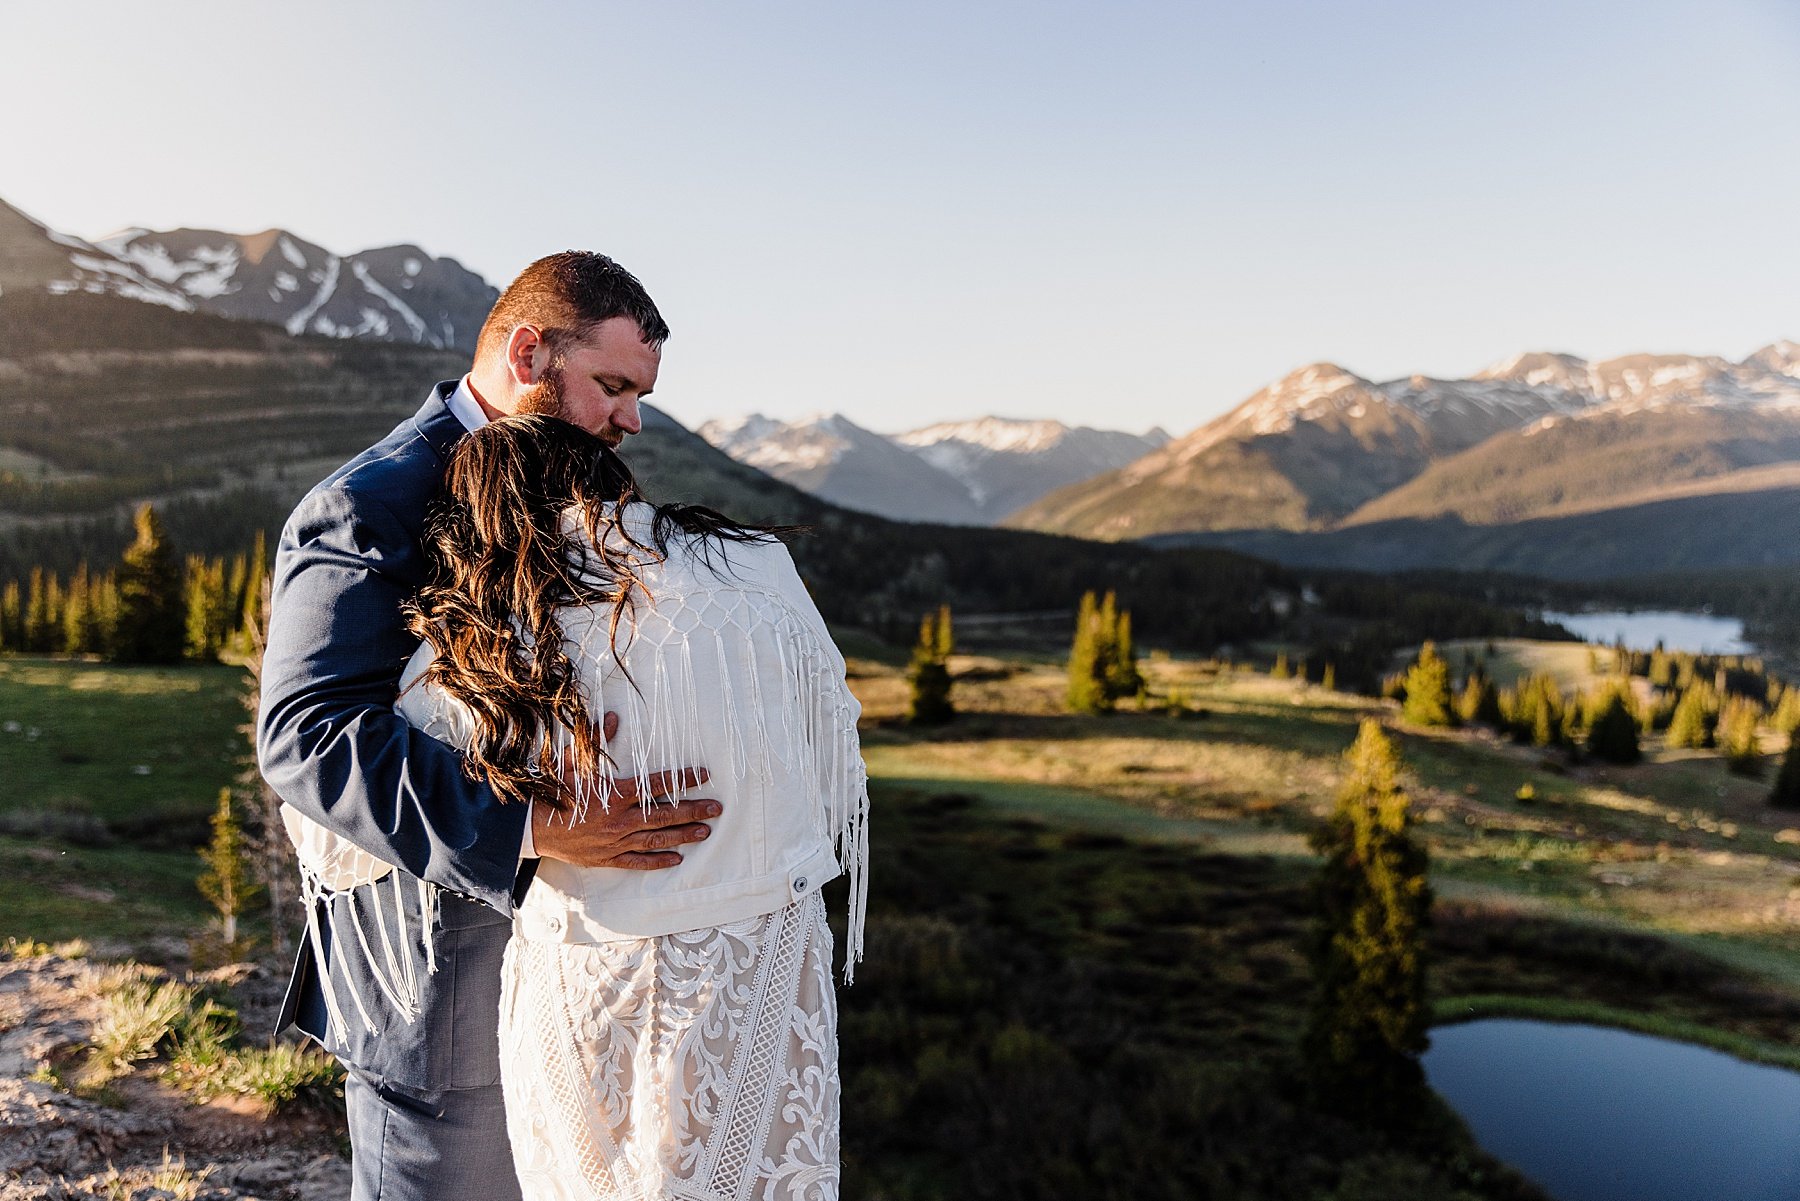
x,y
1782,358
998,434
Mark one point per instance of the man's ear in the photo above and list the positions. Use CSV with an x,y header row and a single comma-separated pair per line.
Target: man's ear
x,y
524,355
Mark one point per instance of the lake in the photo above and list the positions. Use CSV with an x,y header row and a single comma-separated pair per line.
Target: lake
x,y
1596,1114
1701,633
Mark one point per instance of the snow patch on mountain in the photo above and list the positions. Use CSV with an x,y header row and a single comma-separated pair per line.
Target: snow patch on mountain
x,y
327,281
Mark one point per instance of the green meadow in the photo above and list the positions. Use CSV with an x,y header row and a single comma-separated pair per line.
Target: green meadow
x,y
107,777
1084,969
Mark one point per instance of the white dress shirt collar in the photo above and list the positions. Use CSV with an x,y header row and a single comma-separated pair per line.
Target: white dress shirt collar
x,y
467,409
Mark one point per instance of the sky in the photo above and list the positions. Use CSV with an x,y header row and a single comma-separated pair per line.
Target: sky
x,y
1118,214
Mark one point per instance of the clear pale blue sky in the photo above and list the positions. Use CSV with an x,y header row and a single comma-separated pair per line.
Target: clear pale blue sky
x,y
1121,213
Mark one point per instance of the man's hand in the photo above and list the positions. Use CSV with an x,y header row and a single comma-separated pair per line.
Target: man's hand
x,y
622,835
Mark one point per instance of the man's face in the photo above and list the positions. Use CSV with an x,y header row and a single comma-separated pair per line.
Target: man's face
x,y
596,383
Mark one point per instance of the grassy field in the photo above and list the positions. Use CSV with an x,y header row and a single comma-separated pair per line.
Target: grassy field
x,y
107,777
1673,860
1084,931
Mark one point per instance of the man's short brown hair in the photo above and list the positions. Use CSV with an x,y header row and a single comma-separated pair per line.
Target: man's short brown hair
x,y
565,296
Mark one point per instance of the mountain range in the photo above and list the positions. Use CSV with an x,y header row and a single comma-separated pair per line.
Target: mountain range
x,y
1544,464
1326,467
391,293
960,473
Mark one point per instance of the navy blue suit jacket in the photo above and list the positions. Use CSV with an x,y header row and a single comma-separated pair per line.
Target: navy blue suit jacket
x,y
331,745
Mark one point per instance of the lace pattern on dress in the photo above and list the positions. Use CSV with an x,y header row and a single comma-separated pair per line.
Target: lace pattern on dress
x,y
699,1066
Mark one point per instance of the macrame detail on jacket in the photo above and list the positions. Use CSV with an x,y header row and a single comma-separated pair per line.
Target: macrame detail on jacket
x,y
789,721
332,865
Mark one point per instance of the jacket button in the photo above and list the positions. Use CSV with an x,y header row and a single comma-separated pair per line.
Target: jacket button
x,y
554,925
800,884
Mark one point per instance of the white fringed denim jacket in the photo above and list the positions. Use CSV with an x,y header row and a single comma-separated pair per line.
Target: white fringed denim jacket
x,y
727,665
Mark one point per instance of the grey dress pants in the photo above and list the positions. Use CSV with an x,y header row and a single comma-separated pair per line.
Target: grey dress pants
x,y
410,1144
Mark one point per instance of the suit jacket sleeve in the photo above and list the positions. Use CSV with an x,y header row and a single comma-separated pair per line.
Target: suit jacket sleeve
x,y
328,739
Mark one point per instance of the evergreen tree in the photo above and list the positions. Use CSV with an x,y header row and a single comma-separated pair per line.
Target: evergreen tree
x,y
1612,730
1088,661
1280,670
1787,711
266,834
43,612
1662,670
929,673
1737,736
227,881
77,618
152,623
1693,719
103,604
1367,1027
1123,678
1538,715
1103,664
1328,681
1428,701
12,617
1480,701
210,614
255,596
1786,793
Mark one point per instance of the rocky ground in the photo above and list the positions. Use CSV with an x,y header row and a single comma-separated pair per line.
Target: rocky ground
x,y
141,1139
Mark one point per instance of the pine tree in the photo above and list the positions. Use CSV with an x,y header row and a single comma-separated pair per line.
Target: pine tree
x,y
1428,701
1787,712
1087,661
210,614
1367,1027
1612,730
1786,793
12,617
1737,736
43,612
103,604
77,618
151,625
1123,678
227,881
1692,723
929,673
267,836
255,595
1480,701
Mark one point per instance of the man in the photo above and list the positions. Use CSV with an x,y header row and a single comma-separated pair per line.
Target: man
x,y
412,1008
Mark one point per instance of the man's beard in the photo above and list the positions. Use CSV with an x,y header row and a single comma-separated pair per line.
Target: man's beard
x,y
547,398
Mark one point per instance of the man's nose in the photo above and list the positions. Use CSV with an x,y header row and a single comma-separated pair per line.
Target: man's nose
x,y
625,417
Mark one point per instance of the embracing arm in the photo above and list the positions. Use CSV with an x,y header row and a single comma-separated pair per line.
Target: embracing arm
x,y
328,739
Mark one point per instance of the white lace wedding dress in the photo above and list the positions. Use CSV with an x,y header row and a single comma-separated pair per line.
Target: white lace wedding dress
x,y
646,1055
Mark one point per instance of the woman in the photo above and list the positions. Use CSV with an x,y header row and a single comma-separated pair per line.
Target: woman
x,y
671,1033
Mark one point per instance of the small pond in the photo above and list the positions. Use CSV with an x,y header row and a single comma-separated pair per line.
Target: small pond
x,y
1596,1114
1700,633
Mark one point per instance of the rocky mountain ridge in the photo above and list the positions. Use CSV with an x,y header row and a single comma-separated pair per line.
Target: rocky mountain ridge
x,y
964,472
1323,447
391,293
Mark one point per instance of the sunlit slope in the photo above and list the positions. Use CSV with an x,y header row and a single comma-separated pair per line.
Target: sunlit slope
x,y
1602,461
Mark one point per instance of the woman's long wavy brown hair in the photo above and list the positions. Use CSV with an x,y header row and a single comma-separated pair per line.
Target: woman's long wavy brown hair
x,y
502,561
